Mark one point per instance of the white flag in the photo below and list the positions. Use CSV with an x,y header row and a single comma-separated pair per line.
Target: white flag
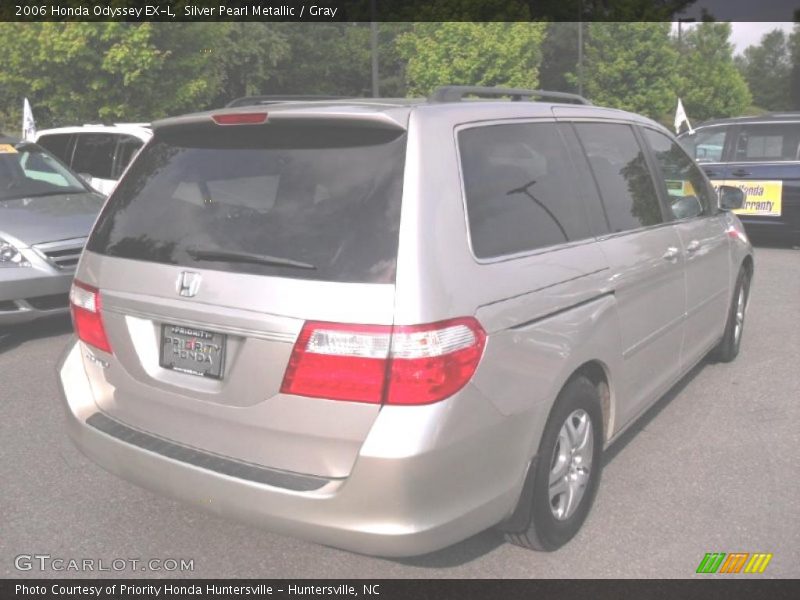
x,y
28,124
680,118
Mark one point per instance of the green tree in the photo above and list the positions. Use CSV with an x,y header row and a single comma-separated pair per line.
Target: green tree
x,y
490,54
794,78
711,85
78,71
767,68
335,59
632,66
244,56
560,57
324,58
111,71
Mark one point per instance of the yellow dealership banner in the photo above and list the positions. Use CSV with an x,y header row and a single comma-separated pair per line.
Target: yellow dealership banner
x,y
680,188
763,197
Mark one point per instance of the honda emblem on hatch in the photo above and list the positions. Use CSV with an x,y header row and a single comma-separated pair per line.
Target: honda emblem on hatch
x,y
188,284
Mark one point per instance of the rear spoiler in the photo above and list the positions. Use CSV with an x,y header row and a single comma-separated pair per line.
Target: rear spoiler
x,y
302,116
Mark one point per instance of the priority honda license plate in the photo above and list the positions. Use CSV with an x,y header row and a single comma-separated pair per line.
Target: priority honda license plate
x,y
193,351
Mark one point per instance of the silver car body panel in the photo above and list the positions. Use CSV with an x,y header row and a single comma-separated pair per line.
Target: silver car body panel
x,y
400,479
50,232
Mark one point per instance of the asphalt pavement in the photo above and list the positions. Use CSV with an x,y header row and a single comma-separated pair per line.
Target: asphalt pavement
x,y
713,467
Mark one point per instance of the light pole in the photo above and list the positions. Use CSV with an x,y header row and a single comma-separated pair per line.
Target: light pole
x,y
373,42
580,58
580,48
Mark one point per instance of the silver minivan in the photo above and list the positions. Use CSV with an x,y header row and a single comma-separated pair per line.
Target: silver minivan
x,y
388,325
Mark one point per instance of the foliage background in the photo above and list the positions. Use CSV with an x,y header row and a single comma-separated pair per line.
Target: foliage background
x,y
82,72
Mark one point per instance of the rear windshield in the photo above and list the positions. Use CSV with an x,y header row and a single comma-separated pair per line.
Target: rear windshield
x,y
705,145
310,202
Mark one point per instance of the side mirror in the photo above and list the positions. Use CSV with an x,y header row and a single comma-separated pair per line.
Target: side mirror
x,y
686,207
731,198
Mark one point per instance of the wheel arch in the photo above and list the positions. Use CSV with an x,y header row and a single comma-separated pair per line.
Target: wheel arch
x,y
598,373
748,265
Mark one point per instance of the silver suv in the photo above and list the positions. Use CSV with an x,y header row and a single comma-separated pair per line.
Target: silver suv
x,y
388,325
99,153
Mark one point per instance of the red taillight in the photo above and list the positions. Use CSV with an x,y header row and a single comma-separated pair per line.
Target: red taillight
x,y
240,118
417,364
431,362
85,304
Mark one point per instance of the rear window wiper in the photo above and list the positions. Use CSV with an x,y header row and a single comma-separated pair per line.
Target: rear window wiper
x,y
246,257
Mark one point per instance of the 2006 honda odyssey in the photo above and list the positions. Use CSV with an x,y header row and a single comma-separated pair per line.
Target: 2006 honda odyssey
x,y
388,325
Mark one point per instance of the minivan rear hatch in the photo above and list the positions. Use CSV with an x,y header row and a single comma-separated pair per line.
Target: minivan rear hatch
x,y
221,241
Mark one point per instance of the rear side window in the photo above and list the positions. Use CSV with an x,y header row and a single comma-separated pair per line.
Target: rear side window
x,y
767,142
58,144
686,187
310,202
127,147
518,187
94,154
619,167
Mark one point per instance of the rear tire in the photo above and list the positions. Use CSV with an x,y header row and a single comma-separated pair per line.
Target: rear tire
x,y
728,347
562,482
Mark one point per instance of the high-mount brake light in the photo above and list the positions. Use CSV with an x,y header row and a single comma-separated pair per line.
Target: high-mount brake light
x,y
248,118
406,364
86,304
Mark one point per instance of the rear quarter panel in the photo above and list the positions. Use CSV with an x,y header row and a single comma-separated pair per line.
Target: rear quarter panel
x,y
545,314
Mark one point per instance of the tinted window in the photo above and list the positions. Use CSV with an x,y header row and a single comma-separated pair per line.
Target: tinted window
x,y
619,167
57,144
518,186
27,170
584,181
706,145
768,142
94,154
687,188
127,147
324,201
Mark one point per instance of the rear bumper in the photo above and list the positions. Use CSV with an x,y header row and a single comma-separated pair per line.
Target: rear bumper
x,y
29,293
400,499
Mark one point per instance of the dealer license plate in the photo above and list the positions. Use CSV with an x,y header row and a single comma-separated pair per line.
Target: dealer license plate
x,y
193,351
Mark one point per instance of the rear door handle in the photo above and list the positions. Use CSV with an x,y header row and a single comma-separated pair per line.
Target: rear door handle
x,y
741,173
710,173
671,254
693,247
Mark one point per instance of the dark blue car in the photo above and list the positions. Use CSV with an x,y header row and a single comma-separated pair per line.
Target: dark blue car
x,y
761,155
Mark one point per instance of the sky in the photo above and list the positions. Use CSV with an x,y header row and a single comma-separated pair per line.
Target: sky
x,y
749,34
771,14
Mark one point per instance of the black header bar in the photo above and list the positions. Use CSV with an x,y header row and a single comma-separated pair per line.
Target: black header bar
x,y
398,10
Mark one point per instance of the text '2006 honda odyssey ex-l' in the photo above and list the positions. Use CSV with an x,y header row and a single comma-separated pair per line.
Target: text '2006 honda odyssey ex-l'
x,y
388,325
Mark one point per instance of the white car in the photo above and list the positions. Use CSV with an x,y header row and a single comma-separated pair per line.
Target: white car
x,y
99,153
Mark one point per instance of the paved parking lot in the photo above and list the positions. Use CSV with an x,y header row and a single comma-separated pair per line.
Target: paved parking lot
x,y
713,467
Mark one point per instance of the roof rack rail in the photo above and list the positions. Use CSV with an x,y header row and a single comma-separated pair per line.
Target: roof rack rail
x,y
274,99
455,93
